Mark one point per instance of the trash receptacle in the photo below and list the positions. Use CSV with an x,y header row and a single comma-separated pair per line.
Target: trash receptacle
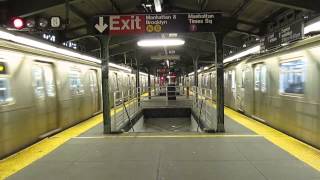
x,y
171,89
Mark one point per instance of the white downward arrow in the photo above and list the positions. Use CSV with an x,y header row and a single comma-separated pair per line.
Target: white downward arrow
x,y
101,26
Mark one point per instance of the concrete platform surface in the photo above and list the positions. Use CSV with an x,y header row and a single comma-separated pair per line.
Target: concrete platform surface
x,y
168,158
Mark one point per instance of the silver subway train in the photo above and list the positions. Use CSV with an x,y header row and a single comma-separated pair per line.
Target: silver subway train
x,y
280,89
44,92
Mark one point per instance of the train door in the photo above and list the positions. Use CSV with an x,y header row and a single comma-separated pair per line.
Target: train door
x,y
45,97
94,90
260,73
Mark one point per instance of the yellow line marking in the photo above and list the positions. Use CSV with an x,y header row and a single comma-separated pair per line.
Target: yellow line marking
x,y
25,157
296,148
132,135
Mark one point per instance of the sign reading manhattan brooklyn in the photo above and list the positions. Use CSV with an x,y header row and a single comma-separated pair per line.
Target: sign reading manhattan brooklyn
x,y
156,23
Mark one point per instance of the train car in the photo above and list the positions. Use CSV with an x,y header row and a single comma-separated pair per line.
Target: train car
x,y
43,92
280,88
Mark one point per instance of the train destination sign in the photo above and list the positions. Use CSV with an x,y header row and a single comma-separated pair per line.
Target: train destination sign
x,y
156,23
283,36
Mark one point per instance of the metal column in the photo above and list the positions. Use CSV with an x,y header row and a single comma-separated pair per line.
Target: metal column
x,y
104,40
220,81
138,78
195,69
149,83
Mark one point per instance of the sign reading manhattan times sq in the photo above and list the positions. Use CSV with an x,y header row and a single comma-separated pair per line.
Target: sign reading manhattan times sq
x,y
156,23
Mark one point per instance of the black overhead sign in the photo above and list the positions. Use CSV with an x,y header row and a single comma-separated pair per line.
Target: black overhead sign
x,y
283,36
156,23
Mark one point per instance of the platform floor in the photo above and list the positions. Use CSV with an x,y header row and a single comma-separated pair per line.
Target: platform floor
x,y
239,154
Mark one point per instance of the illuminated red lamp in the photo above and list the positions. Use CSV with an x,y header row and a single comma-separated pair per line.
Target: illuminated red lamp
x,y
18,23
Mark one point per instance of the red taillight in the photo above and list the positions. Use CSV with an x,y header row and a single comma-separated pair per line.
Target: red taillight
x,y
18,23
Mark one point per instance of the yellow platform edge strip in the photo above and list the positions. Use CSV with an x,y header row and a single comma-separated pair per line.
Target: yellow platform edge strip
x,y
25,157
296,148
302,151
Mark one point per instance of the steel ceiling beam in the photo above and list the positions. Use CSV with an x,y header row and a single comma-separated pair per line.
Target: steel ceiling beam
x,y
241,9
245,32
302,5
115,6
33,7
80,14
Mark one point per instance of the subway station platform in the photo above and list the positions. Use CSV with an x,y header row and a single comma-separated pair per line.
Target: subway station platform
x,y
248,150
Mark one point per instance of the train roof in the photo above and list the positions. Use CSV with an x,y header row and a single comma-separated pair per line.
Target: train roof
x,y
21,42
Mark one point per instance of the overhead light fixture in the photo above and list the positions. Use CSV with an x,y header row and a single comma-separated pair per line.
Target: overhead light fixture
x,y
165,57
157,5
312,27
252,50
161,42
119,67
142,73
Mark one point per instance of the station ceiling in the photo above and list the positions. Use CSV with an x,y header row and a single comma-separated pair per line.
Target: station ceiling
x,y
252,18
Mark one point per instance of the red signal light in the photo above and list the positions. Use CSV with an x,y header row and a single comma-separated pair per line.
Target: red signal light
x,y
18,23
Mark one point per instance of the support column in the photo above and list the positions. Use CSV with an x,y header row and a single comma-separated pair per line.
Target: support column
x,y
104,41
138,78
220,81
195,69
149,83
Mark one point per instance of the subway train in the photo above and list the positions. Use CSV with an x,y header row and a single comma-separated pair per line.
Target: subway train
x,y
280,88
43,92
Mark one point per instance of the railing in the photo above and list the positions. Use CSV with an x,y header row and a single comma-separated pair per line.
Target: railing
x,y
202,107
125,107
128,104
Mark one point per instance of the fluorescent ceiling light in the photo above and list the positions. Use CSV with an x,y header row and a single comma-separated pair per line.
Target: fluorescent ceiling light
x,y
119,67
252,50
142,73
157,5
161,42
166,57
44,46
312,27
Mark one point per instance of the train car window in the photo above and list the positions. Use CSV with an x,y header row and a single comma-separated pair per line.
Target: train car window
x,y
5,91
263,78
76,85
292,77
116,81
243,78
257,73
38,86
49,81
233,79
